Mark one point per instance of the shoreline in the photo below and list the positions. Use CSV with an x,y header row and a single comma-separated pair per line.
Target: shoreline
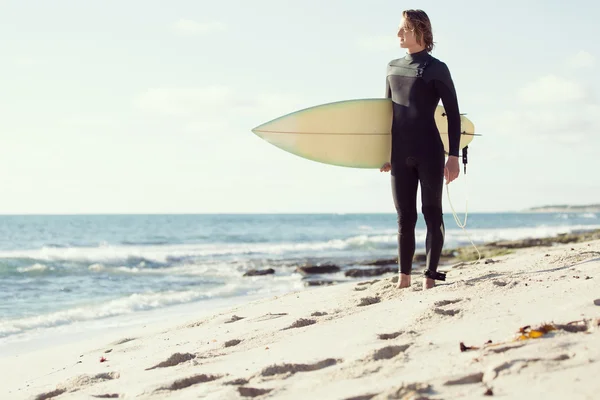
x,y
450,256
323,273
79,331
353,339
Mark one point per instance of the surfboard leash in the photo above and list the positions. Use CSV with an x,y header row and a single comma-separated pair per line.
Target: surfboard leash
x,y
460,224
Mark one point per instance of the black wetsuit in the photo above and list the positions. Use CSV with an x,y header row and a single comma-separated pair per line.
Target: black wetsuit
x,y
416,83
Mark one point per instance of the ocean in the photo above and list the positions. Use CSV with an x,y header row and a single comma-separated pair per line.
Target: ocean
x,y
61,272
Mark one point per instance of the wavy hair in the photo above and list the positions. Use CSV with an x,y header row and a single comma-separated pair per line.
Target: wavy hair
x,y
418,21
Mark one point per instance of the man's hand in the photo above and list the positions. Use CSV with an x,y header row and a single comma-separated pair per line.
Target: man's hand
x,y
452,169
386,167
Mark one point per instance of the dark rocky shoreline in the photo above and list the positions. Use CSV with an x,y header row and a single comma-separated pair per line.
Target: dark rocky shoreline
x,y
492,249
314,274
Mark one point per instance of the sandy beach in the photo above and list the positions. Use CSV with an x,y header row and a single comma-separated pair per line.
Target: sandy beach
x,y
518,326
212,200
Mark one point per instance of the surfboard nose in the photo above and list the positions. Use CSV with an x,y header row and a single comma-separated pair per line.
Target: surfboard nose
x,y
256,130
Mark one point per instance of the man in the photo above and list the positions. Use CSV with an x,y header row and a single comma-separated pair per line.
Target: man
x,y
416,83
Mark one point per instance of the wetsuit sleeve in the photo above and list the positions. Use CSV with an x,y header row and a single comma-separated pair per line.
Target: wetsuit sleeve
x,y
388,95
445,88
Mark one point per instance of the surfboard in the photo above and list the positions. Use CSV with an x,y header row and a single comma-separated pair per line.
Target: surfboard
x,y
350,133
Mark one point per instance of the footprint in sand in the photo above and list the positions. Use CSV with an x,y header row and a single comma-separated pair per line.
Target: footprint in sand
x,y
389,336
175,359
187,382
389,352
49,395
77,383
362,397
367,282
290,369
231,343
367,301
301,323
318,314
517,365
269,316
407,391
122,341
443,303
252,392
394,335
234,318
466,380
360,286
503,349
237,382
450,313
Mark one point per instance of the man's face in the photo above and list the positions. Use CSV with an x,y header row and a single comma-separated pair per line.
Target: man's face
x,y
407,37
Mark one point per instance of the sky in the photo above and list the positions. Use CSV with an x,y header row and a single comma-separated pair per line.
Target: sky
x,y
135,106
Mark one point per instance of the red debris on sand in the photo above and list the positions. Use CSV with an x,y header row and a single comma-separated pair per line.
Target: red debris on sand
x,y
102,359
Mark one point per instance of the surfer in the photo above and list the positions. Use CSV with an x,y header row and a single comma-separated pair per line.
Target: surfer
x,y
416,83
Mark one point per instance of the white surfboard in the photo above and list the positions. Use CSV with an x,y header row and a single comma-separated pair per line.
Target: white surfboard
x,y
350,133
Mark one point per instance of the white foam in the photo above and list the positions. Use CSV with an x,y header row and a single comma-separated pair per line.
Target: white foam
x,y
221,270
134,303
121,306
35,268
98,257
97,267
457,237
164,254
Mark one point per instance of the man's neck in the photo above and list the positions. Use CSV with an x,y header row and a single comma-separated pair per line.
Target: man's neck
x,y
415,49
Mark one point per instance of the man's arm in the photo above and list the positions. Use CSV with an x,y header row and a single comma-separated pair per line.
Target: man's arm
x,y
388,89
445,88
388,95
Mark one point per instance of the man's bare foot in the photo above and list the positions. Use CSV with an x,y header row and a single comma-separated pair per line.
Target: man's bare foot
x,y
428,283
403,281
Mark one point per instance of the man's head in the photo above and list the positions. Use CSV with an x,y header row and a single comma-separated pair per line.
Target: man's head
x,y
415,31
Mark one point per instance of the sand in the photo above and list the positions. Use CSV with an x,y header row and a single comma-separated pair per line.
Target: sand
x,y
365,340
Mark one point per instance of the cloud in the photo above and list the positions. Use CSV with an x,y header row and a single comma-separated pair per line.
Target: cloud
x,y
215,108
26,61
205,126
569,125
378,43
552,89
583,59
190,27
552,111
179,102
86,121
